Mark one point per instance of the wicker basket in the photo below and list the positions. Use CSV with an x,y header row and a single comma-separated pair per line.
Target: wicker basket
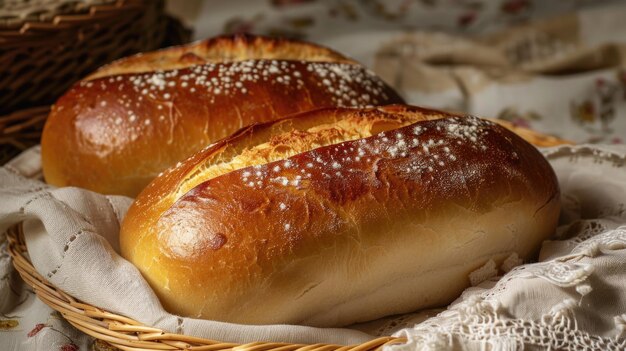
x,y
15,13
39,60
41,57
21,130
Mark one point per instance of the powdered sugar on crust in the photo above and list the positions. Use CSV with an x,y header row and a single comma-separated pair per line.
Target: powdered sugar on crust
x,y
350,85
425,147
124,103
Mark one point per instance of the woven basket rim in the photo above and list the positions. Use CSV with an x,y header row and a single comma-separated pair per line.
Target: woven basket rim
x,y
16,13
61,22
130,335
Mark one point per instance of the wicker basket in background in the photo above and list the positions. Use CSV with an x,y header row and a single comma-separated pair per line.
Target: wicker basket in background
x,y
45,52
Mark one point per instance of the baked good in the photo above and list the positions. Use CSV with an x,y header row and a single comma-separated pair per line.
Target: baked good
x,y
339,215
116,130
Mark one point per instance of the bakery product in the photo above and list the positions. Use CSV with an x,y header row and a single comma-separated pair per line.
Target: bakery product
x,y
338,216
116,130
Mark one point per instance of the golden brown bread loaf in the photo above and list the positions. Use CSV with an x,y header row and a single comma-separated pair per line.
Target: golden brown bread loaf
x,y
337,216
117,129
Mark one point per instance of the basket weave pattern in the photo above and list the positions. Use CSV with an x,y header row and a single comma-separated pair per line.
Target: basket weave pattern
x,y
40,60
127,334
41,57
21,130
16,12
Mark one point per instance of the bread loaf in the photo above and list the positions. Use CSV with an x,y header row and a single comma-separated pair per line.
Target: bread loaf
x,y
116,130
338,215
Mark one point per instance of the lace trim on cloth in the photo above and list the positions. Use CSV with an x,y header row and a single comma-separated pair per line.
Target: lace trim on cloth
x,y
481,319
481,322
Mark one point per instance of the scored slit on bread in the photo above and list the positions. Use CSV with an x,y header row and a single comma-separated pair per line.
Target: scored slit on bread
x,y
286,142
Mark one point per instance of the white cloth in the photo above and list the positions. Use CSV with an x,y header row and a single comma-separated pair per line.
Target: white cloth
x,y
575,295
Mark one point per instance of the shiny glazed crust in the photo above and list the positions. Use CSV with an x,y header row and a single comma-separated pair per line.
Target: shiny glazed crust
x,y
308,220
116,130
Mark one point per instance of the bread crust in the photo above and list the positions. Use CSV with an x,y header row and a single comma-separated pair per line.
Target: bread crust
x,y
116,130
346,232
